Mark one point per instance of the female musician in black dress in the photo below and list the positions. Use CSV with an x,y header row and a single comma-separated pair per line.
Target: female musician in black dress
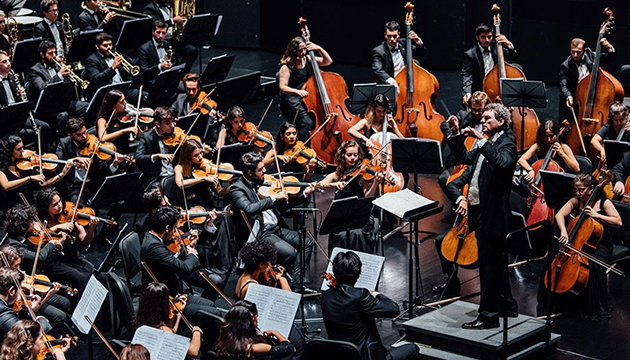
x,y
286,139
235,119
114,102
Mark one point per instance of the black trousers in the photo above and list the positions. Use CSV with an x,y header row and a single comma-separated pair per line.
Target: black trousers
x,y
287,242
56,310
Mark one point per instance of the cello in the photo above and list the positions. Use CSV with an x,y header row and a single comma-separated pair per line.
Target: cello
x,y
383,144
327,97
594,94
418,90
525,120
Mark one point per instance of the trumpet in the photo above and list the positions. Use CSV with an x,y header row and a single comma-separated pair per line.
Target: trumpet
x,y
168,56
132,70
83,84
66,27
121,8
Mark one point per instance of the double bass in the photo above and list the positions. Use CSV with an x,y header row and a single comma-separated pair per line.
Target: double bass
x,y
418,90
524,120
327,97
594,94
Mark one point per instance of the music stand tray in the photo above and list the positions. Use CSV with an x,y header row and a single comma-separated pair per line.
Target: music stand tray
x,y
217,69
25,54
201,29
418,156
232,154
82,45
346,214
363,94
165,86
55,98
523,93
405,204
134,33
97,99
614,151
558,187
13,117
115,188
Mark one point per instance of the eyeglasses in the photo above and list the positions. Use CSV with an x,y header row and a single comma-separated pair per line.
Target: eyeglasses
x,y
579,190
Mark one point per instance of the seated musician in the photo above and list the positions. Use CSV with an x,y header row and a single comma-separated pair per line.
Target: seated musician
x,y
154,310
153,56
8,296
617,120
348,158
263,213
135,352
95,17
54,307
592,301
234,121
51,29
621,172
24,341
349,313
295,70
151,199
153,156
372,122
114,102
102,68
240,337
5,42
72,268
285,141
13,180
175,269
184,102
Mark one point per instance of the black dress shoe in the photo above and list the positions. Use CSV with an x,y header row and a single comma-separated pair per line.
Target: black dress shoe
x,y
480,324
453,287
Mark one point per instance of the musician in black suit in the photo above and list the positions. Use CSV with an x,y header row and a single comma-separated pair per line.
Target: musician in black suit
x,y
481,58
349,312
492,162
621,172
153,157
576,67
263,213
94,17
102,68
152,55
8,295
50,28
390,57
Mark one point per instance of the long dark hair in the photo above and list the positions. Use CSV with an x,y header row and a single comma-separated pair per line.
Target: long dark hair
x,y
44,199
540,135
238,332
7,144
341,152
109,101
20,340
280,146
289,58
153,308
185,158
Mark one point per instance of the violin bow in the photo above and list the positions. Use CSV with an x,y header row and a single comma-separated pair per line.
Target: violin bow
x,y
131,135
37,220
184,319
275,157
264,114
39,249
249,225
219,150
186,134
39,147
98,332
215,287
578,130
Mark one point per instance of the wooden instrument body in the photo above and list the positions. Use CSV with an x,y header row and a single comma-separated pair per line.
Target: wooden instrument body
x,y
460,246
396,180
531,127
538,209
492,81
458,170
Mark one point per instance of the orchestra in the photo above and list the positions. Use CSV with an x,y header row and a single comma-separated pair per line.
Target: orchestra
x,y
220,202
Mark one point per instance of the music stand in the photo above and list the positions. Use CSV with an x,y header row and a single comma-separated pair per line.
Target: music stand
x,y
134,33
199,31
25,54
232,154
97,99
363,94
112,250
217,69
115,188
13,117
201,126
82,45
346,214
165,85
417,156
523,94
55,98
614,151
558,187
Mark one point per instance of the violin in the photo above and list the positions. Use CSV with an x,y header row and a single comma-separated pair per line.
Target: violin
x,y
145,115
42,284
272,185
55,343
302,154
178,242
205,105
175,306
460,245
198,215
332,282
177,137
30,161
104,150
250,133
83,215
225,171
367,171
381,154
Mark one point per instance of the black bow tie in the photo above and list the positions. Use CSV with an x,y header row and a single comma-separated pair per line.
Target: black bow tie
x,y
393,50
160,46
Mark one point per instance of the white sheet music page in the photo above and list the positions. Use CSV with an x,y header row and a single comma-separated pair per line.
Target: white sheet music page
x,y
370,270
162,345
89,304
402,203
276,307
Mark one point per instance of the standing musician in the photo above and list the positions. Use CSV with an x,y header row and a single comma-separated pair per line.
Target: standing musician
x,y
575,68
50,28
592,301
372,122
621,172
153,156
5,41
235,119
481,58
349,312
492,160
94,16
617,120
295,70
24,342
388,59
244,197
152,55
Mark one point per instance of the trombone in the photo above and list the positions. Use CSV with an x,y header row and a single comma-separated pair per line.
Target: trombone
x,y
121,8
83,84
132,70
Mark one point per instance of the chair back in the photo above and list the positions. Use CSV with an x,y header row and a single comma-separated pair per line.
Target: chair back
x,y
318,349
172,191
129,248
123,302
585,163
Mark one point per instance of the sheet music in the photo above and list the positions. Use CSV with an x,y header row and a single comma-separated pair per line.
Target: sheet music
x,y
370,270
89,304
162,345
402,202
276,307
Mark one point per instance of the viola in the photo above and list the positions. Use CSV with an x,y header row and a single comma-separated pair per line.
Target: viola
x,y
460,245
225,171
42,284
30,161
416,97
367,171
175,306
332,282
250,133
55,343
381,152
145,115
177,137
272,185
104,150
198,215
302,154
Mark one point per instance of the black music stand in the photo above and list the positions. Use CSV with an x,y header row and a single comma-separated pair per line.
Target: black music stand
x,y
217,69
199,31
363,94
346,214
25,54
232,154
417,156
523,94
614,151
13,117
165,86
558,187
201,126
134,33
55,98
115,188
97,99
111,251
82,45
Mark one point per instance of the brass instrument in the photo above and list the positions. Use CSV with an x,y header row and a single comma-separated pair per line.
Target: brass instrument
x,y
168,56
66,27
13,31
132,70
185,8
83,84
121,8
21,90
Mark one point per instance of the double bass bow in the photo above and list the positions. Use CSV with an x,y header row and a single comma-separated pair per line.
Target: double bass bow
x,y
418,90
327,97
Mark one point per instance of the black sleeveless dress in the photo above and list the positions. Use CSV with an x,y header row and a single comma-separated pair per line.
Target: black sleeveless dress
x,y
290,104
